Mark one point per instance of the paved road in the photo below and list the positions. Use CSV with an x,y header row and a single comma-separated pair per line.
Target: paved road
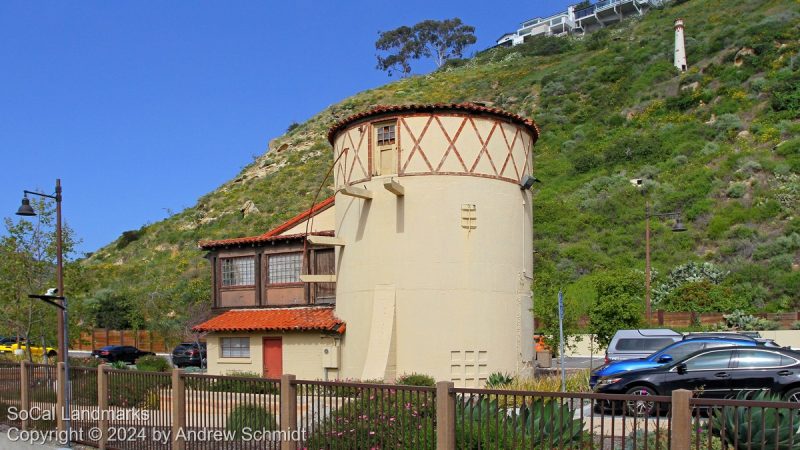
x,y
580,362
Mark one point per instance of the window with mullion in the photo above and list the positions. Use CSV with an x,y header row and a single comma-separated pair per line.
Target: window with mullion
x,y
238,271
235,347
284,268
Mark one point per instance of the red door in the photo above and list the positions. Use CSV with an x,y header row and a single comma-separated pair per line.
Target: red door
x,y
273,357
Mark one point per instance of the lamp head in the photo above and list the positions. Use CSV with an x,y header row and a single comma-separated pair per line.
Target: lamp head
x,y
527,182
52,292
26,209
679,226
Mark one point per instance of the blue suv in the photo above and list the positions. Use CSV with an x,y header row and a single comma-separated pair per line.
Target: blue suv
x,y
672,352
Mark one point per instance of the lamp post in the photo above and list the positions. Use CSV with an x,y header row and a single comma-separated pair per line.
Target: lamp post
x,y
677,227
27,210
60,302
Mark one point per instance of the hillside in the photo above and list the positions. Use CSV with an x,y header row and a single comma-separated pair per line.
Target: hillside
x,y
719,142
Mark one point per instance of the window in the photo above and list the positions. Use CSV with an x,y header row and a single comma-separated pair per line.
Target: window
x,y
680,351
235,347
325,264
756,359
238,271
642,344
385,134
285,268
717,360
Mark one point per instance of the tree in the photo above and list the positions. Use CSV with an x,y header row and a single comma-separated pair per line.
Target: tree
x,y
27,265
582,5
440,40
619,304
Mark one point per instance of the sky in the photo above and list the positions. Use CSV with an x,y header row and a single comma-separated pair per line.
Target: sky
x,y
141,107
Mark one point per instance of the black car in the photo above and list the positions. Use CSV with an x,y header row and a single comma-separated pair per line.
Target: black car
x,y
189,354
712,373
124,353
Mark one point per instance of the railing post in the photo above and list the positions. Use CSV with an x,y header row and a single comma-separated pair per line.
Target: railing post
x,y
24,391
61,389
102,405
288,412
445,416
178,410
681,426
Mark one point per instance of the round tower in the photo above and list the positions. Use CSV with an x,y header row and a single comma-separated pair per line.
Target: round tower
x,y
680,46
434,231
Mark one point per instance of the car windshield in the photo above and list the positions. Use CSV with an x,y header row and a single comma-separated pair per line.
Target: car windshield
x,y
677,351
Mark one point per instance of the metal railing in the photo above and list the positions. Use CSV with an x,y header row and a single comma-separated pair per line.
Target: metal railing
x,y
159,410
488,418
241,408
365,415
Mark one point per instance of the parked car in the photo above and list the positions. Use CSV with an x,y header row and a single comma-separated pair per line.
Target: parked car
x,y
124,353
712,373
673,352
189,354
11,345
634,344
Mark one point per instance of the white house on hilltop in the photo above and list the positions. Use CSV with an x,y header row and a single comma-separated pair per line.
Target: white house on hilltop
x,y
597,15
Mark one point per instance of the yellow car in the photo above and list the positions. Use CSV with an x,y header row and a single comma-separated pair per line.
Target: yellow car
x,y
37,351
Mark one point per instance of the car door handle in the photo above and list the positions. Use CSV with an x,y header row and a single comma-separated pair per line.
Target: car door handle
x,y
722,375
783,373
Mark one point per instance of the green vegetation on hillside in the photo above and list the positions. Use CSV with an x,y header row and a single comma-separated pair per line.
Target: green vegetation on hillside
x,y
719,142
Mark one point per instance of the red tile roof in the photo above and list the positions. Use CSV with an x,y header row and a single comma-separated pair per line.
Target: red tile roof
x,y
434,107
274,234
275,319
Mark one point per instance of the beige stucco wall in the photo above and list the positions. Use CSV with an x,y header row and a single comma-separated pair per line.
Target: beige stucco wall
x,y
419,292
323,221
302,354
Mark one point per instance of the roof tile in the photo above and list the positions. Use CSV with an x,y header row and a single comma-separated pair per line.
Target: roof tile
x,y
275,319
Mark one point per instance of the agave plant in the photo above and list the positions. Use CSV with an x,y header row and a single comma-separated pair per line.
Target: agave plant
x,y
486,424
498,379
745,427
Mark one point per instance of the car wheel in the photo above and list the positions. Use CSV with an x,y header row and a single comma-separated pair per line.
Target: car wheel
x,y
640,408
792,395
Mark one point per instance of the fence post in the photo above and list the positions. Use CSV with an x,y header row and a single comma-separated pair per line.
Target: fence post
x,y
102,405
178,410
680,434
61,389
660,314
445,416
288,412
24,390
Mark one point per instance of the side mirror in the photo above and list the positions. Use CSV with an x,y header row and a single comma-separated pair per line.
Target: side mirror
x,y
663,359
681,369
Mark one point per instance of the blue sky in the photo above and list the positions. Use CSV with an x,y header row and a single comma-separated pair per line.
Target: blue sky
x,y
141,107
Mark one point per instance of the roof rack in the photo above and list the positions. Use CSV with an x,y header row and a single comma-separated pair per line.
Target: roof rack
x,y
719,335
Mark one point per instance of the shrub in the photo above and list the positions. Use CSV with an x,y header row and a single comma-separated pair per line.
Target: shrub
x,y
736,190
416,379
497,379
728,125
703,297
251,418
576,382
235,383
153,363
139,392
128,237
379,418
739,320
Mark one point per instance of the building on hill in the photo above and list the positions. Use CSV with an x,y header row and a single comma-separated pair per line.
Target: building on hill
x,y
595,16
430,231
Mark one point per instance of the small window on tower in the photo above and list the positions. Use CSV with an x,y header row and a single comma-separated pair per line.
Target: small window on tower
x,y
385,134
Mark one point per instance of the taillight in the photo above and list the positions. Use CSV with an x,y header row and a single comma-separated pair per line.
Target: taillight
x,y
194,352
607,359
104,352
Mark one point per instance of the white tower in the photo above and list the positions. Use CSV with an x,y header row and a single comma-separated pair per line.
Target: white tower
x,y
680,46
435,256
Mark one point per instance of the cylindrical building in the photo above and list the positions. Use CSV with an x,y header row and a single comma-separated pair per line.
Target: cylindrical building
x,y
434,262
680,46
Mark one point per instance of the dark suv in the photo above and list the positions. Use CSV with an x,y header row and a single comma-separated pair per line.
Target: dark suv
x,y
189,354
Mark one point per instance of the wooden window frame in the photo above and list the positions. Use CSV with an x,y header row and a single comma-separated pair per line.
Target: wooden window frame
x,y
269,283
222,262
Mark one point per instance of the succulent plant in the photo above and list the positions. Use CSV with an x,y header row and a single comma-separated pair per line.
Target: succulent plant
x,y
744,427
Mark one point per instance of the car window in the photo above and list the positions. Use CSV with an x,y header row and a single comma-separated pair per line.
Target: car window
x,y
757,359
682,350
709,361
642,344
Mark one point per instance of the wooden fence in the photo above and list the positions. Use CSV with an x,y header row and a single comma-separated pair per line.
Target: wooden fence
x,y
786,321
148,341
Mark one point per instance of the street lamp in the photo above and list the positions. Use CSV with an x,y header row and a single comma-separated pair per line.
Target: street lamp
x,y
26,210
677,228
60,302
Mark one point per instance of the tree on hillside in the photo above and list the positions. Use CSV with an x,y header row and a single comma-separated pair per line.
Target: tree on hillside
x,y
437,39
619,304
